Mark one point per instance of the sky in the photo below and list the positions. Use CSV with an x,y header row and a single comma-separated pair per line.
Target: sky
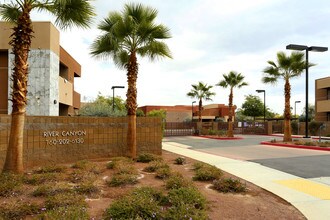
x,y
209,38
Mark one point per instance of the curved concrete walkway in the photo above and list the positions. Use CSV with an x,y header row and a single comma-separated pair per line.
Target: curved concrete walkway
x,y
310,197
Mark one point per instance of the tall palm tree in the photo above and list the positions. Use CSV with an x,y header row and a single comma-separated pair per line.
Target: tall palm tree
x,y
125,35
287,67
232,80
201,91
68,13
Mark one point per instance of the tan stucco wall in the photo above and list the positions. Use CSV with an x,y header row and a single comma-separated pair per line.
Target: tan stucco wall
x,y
46,36
323,83
65,91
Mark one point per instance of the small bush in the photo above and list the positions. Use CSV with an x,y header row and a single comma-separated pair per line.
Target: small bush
x,y
43,191
310,143
228,185
147,157
155,165
176,180
64,201
10,184
50,169
122,179
87,188
18,210
180,160
163,173
142,203
115,161
186,203
37,179
71,212
79,176
198,165
273,141
123,168
207,172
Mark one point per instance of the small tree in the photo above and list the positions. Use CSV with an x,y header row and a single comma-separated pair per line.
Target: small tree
x,y
253,106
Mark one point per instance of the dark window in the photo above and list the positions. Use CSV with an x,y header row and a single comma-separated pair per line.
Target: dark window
x,y
328,116
328,92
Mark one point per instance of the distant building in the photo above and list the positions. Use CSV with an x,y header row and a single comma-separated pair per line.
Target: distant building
x,y
51,73
181,113
322,99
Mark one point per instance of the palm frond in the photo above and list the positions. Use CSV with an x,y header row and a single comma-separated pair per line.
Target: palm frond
x,y
10,12
155,50
71,13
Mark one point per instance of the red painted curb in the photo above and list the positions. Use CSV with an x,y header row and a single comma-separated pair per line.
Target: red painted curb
x,y
221,138
296,146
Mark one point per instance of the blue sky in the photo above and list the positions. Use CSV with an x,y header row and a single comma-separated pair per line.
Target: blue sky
x,y
209,39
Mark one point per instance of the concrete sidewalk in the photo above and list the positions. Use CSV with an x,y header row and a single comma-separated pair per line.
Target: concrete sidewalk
x,y
312,199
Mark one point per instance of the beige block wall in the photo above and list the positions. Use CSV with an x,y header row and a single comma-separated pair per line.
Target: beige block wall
x,y
49,140
45,36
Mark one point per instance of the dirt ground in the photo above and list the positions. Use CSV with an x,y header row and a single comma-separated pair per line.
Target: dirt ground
x,y
254,204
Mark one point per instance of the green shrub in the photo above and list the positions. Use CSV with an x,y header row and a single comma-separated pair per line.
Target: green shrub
x,y
186,203
115,161
212,132
50,169
176,180
228,185
314,127
207,172
37,179
155,165
310,143
294,127
10,184
86,188
65,200
180,160
71,212
147,157
124,168
43,191
18,210
198,165
142,203
163,172
122,179
79,176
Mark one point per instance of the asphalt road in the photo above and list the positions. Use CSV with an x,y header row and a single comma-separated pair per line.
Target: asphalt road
x,y
304,163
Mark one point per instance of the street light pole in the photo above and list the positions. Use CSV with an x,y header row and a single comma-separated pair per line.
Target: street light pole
x,y
264,91
113,95
306,48
192,111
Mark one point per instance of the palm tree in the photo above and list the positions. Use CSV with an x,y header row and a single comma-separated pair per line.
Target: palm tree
x,y
232,80
68,13
287,67
124,36
201,91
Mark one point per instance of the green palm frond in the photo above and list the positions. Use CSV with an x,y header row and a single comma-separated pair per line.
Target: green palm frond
x,y
10,12
232,79
71,13
201,91
134,31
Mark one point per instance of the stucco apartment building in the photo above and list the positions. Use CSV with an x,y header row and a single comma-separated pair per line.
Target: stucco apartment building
x,y
322,99
51,73
181,113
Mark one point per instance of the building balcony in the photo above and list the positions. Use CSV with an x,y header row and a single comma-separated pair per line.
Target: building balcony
x,y
65,91
76,100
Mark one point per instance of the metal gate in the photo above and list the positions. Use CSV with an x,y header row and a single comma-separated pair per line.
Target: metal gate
x,y
180,128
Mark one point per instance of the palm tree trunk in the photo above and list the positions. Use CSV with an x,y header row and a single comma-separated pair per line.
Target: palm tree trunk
x,y
200,108
287,116
21,42
230,132
131,103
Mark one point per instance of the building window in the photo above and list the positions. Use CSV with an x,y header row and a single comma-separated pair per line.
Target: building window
x,y
328,116
328,92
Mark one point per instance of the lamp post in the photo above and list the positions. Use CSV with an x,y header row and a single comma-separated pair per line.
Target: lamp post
x,y
192,110
306,48
113,95
264,91
295,107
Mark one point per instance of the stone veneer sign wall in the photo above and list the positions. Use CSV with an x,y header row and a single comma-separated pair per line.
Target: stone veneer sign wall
x,y
49,140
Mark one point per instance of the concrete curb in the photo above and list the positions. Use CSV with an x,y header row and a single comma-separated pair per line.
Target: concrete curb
x,y
295,146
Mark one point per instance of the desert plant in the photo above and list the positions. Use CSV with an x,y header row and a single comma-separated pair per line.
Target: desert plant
x,y
155,165
228,185
163,172
50,169
314,127
71,212
65,200
176,180
142,203
148,157
294,127
18,210
37,179
186,203
122,179
78,176
207,172
180,160
86,188
10,184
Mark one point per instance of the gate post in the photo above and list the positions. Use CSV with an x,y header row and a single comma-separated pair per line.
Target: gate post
x,y
269,127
